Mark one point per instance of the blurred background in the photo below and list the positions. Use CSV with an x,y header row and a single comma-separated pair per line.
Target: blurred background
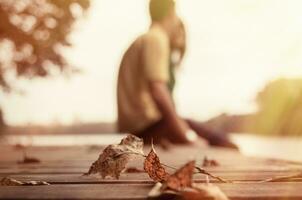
x,y
59,62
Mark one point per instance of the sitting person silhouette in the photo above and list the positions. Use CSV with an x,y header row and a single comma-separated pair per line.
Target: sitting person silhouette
x,y
146,81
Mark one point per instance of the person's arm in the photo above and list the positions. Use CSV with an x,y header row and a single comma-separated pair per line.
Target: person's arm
x,y
156,68
163,100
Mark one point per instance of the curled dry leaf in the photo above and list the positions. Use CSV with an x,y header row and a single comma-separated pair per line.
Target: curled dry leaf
x,y
111,162
154,168
209,163
114,158
182,178
29,160
133,144
12,182
203,171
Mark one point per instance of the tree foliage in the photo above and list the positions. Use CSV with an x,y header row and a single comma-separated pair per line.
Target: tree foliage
x,y
280,109
32,35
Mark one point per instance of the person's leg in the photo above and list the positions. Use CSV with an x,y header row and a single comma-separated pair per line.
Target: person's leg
x,y
160,132
154,132
214,138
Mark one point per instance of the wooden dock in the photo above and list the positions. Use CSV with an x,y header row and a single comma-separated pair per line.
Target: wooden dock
x,y
63,167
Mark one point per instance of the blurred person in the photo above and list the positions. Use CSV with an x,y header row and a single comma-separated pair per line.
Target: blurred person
x,y
146,81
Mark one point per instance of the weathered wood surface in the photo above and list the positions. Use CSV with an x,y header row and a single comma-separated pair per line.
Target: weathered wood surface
x,y
141,177
63,168
278,191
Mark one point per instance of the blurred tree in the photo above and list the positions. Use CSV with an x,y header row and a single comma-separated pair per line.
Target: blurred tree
x,y
279,112
32,35
280,109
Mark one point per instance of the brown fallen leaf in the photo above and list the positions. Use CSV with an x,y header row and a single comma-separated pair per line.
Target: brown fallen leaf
x,y
133,143
182,178
130,170
12,182
29,160
203,171
209,163
114,158
19,147
154,168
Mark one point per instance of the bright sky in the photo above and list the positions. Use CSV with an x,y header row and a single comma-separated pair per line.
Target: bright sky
x,y
235,47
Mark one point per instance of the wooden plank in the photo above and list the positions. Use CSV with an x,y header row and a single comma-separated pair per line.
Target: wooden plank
x,y
88,154
63,167
80,170
280,191
12,154
60,161
142,177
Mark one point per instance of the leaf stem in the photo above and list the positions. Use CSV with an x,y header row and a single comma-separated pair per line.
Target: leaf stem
x,y
200,170
203,171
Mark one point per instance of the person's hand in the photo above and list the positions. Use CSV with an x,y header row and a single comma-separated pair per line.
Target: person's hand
x,y
191,136
180,132
222,140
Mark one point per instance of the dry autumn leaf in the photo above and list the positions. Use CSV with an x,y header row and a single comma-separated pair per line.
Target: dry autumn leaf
x,y
12,182
114,158
154,168
133,144
209,162
29,160
182,178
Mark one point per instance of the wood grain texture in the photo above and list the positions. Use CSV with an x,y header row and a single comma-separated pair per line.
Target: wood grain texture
x,y
63,167
143,177
280,191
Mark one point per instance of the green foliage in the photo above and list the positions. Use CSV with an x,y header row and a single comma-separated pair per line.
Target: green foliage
x,y
280,109
33,33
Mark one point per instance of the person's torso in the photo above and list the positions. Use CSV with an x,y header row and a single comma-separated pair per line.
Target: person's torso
x,y
136,108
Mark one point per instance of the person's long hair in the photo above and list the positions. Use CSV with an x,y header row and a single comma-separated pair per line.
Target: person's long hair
x,y
178,45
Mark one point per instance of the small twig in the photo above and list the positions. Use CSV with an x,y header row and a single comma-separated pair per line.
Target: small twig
x,y
168,166
203,171
283,178
200,170
143,155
